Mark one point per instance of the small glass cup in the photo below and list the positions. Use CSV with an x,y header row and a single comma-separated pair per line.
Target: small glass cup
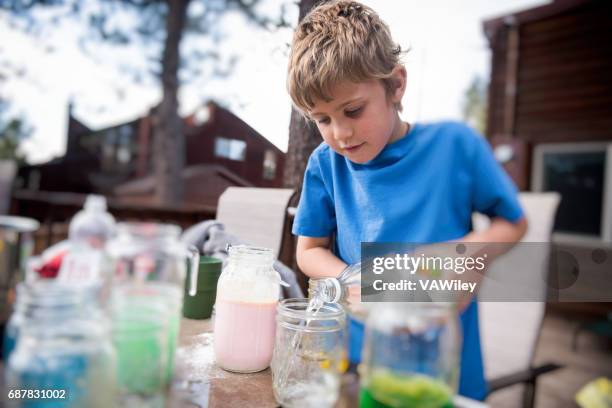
x,y
309,354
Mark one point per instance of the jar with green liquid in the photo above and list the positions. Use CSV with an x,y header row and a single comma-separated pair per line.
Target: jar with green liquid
x,y
148,265
411,356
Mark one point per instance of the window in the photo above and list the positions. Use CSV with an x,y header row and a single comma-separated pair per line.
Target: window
x,y
109,143
269,165
124,153
232,149
582,174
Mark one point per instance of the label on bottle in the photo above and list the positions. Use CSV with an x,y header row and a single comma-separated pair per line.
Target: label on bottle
x,y
81,266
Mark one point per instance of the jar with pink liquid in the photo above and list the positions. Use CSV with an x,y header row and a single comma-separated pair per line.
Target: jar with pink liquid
x,y
245,322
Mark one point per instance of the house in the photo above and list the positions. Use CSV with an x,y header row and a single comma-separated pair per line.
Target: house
x,y
221,151
550,123
550,109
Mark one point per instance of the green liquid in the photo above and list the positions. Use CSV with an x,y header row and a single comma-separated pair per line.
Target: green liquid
x,y
141,352
386,390
146,321
173,331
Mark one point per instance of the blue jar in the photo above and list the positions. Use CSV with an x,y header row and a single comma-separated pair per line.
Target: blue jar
x,y
63,344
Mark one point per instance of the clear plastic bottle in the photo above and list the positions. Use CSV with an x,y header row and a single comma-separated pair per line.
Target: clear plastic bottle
x,y
93,224
88,233
344,289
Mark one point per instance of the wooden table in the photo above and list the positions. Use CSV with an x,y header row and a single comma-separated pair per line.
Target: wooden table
x,y
200,383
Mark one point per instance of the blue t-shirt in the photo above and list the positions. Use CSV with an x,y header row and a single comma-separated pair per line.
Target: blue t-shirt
x,y
422,188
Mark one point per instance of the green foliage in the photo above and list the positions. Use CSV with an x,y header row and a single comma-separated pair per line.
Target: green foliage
x,y
12,132
475,104
143,23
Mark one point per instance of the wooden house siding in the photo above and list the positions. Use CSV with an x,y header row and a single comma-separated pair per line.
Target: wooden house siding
x,y
201,147
563,81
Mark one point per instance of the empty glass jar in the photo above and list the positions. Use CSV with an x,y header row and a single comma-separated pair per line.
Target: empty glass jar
x,y
411,356
309,354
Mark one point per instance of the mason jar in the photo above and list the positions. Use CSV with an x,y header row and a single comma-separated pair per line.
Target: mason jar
x,y
245,310
410,356
147,262
309,354
63,350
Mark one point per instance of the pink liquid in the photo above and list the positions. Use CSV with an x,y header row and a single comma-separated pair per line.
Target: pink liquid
x,y
244,335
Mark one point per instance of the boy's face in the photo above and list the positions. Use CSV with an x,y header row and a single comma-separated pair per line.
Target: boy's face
x,y
360,120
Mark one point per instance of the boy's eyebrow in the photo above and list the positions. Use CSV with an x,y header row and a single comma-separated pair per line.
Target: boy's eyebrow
x,y
339,107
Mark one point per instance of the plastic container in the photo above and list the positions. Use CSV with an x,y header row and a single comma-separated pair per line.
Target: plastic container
x,y
344,289
81,260
93,224
200,305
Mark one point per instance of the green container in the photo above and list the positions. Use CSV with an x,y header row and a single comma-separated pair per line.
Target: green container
x,y
200,306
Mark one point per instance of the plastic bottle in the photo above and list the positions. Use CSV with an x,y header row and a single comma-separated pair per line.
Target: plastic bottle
x,y
88,232
336,290
93,224
344,289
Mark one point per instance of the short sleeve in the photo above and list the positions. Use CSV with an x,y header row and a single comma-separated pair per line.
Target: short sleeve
x,y
495,195
315,215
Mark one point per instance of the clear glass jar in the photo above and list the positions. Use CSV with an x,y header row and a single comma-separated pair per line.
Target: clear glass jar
x,y
309,354
411,356
147,263
63,344
13,326
245,310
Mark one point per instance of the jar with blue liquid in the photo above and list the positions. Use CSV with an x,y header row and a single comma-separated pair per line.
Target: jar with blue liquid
x,y
410,356
11,330
63,349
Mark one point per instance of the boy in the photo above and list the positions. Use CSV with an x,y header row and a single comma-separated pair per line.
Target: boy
x,y
376,178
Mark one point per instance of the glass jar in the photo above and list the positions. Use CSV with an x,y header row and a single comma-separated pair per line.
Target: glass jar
x,y
309,354
63,345
13,326
411,356
247,294
147,263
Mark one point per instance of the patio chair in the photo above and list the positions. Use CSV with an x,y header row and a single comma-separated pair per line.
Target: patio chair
x,y
510,330
256,215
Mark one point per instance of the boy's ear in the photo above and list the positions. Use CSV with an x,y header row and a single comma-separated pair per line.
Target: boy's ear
x,y
399,76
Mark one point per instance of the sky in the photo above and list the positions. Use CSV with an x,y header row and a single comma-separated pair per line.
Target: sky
x,y
445,38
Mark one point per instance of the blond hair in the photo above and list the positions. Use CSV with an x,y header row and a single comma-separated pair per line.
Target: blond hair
x,y
339,41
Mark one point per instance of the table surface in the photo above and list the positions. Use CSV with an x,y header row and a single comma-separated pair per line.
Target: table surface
x,y
200,383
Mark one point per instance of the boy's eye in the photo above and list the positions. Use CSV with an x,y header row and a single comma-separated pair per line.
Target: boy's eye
x,y
353,112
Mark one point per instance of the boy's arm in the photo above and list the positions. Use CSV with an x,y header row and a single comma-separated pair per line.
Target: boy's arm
x,y
316,260
500,230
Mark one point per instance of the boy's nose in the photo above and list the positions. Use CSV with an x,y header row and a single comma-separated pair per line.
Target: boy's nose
x,y
343,134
